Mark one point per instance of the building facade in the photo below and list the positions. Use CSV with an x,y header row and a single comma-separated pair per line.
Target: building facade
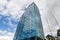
x,y
30,25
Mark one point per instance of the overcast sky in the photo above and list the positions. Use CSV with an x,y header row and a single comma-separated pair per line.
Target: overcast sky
x,y
11,11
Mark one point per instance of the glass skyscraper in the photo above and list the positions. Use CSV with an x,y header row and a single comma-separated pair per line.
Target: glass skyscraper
x,y
30,25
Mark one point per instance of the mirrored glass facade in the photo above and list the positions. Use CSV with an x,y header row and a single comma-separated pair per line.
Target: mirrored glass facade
x,y
30,25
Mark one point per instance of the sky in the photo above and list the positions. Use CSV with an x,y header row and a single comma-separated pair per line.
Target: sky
x,y
11,11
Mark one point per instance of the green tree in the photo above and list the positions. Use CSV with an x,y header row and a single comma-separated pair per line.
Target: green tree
x,y
50,37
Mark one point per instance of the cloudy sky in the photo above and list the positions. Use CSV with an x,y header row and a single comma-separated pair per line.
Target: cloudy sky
x,y
11,11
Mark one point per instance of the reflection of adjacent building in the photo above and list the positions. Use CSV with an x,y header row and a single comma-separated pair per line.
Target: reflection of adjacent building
x,y
30,26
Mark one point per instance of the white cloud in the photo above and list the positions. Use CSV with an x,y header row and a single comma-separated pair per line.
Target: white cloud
x,y
12,9
3,32
3,1
6,38
7,35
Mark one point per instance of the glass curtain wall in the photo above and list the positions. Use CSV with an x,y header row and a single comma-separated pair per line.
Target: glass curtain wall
x,y
30,25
